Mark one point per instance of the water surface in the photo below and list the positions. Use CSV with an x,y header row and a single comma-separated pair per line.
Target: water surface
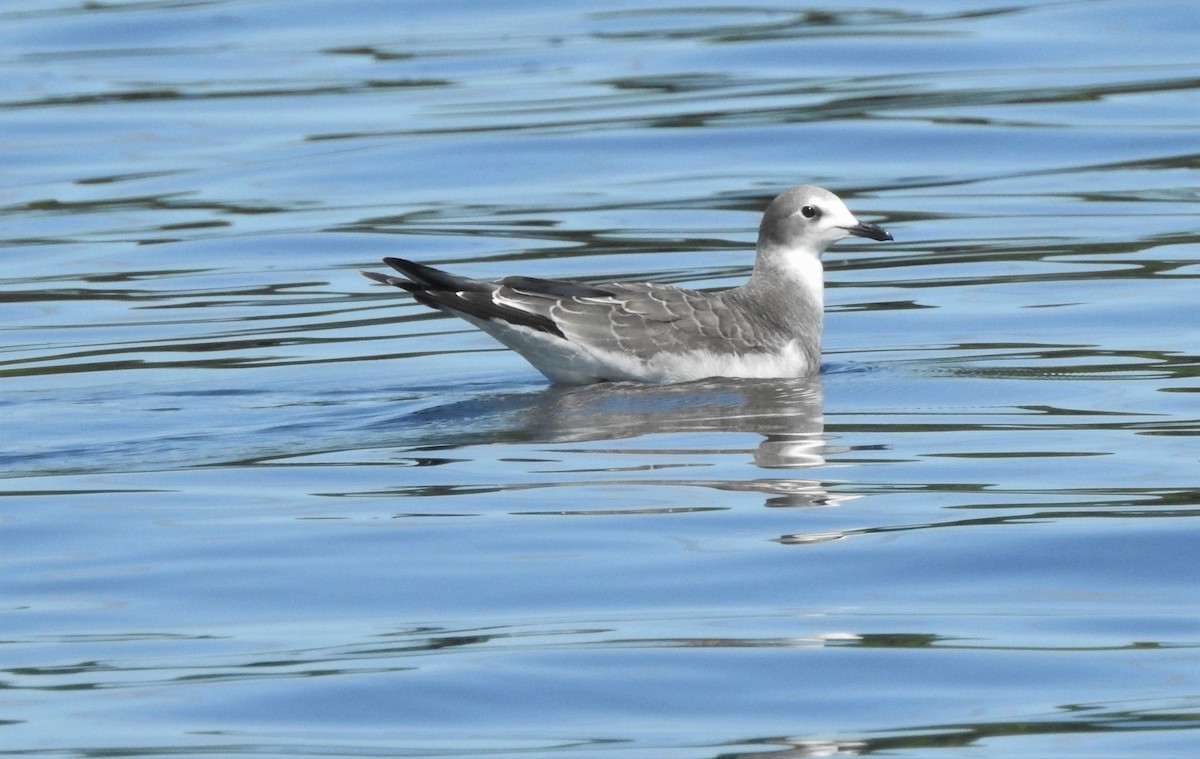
x,y
255,505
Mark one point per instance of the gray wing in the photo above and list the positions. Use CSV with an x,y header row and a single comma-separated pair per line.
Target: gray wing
x,y
635,319
647,319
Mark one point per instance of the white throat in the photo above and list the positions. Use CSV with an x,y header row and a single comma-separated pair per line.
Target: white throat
x,y
804,271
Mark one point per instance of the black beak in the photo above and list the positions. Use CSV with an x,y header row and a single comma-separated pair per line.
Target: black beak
x,y
871,231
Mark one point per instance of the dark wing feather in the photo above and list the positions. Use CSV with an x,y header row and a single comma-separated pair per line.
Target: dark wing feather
x,y
437,279
459,295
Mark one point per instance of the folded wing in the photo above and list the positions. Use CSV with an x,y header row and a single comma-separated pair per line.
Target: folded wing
x,y
641,320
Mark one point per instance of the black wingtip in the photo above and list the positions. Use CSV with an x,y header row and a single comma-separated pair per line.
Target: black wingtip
x,y
459,295
437,279
387,279
399,264
375,276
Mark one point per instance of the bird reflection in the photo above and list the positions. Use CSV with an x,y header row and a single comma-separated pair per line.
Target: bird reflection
x,y
786,413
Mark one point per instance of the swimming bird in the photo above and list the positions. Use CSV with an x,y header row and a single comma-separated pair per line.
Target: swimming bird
x,y
578,333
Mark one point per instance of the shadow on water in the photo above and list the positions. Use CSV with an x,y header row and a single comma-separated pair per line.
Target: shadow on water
x,y
681,427
787,413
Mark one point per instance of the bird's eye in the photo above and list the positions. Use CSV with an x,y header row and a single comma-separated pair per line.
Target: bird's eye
x,y
809,212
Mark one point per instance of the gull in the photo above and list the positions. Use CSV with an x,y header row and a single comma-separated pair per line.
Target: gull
x,y
578,333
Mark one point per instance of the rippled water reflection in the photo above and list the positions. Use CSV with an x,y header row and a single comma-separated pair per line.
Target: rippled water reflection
x,y
252,505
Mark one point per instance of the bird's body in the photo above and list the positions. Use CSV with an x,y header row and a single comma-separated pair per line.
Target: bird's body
x,y
576,333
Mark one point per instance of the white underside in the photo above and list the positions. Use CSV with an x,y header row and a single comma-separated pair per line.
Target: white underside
x,y
565,362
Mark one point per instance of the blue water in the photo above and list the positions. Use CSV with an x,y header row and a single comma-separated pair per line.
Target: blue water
x,y
254,505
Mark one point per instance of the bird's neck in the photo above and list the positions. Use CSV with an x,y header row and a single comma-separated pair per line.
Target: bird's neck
x,y
793,287
798,272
